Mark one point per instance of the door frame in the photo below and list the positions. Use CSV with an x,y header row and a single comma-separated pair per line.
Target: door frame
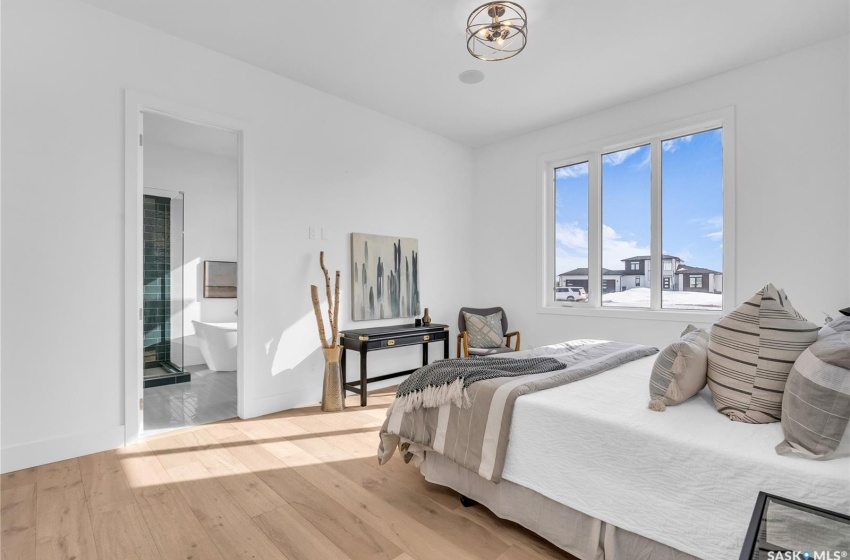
x,y
135,104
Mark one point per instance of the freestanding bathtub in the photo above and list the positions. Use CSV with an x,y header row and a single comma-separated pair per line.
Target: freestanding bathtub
x,y
218,344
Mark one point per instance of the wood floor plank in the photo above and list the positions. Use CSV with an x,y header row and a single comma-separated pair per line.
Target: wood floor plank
x,y
18,478
18,522
355,538
408,534
119,528
457,529
245,487
301,484
229,527
172,525
63,525
296,536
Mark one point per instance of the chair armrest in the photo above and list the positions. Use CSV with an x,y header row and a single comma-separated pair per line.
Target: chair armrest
x,y
462,336
510,335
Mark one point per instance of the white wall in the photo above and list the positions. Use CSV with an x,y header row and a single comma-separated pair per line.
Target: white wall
x,y
317,161
209,184
792,191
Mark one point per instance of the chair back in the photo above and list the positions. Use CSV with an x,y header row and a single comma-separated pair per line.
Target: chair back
x,y
461,320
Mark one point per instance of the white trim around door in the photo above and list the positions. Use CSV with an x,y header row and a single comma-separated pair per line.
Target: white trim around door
x,y
134,105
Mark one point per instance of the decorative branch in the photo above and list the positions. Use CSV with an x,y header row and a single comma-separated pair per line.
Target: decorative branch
x,y
333,307
314,292
331,318
335,328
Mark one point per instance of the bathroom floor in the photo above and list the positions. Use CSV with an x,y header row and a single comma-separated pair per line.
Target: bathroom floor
x,y
209,397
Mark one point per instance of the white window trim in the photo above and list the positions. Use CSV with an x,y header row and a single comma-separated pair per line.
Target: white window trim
x,y
591,152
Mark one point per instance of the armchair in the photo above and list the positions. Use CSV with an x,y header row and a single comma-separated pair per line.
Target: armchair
x,y
463,338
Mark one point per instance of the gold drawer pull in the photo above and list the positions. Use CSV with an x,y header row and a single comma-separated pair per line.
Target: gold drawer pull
x,y
391,343
426,337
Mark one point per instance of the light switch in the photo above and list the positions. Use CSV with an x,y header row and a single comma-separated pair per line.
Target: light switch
x,y
311,232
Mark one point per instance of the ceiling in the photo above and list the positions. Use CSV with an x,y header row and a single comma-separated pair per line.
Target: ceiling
x,y
168,130
402,58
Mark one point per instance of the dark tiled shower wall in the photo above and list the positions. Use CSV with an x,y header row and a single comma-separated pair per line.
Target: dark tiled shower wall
x,y
157,279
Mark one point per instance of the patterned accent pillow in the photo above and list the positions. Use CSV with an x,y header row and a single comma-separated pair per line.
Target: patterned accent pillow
x,y
750,353
816,403
679,370
484,331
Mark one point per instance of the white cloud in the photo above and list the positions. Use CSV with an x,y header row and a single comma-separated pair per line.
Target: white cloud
x,y
570,171
616,158
615,248
675,143
571,247
715,235
571,236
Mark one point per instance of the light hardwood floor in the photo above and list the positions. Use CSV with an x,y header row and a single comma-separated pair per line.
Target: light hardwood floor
x,y
301,484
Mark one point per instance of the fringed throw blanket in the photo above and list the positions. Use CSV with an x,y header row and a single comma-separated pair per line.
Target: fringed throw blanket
x,y
447,381
472,429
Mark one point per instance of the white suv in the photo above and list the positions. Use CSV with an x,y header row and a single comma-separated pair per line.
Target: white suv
x,y
570,294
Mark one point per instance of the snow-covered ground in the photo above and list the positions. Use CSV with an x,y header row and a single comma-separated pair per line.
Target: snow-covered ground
x,y
639,297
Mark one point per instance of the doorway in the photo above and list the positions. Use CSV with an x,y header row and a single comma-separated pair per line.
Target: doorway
x,y
185,306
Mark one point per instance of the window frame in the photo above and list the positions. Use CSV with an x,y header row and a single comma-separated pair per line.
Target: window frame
x,y
592,153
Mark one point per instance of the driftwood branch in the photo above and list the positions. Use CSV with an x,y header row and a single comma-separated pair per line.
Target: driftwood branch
x,y
331,318
333,307
335,327
314,293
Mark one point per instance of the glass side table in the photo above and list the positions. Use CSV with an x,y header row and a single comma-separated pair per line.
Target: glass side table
x,y
783,529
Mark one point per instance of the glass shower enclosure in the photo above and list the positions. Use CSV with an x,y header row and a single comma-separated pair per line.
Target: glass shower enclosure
x,y
163,287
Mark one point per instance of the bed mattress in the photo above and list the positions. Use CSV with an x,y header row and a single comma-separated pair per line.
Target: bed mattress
x,y
687,477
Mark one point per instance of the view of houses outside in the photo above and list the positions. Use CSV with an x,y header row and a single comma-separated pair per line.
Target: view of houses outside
x,y
692,225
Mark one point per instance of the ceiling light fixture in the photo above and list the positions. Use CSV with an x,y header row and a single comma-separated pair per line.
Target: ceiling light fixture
x,y
496,31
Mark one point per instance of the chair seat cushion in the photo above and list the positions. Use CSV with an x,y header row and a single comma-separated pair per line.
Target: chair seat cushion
x,y
484,331
489,351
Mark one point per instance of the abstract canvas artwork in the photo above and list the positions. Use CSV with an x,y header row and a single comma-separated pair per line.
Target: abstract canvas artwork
x,y
384,277
219,279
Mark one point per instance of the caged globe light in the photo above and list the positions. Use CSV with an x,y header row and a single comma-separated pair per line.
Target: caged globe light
x,y
496,31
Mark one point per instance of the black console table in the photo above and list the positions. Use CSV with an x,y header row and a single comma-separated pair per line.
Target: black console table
x,y
384,338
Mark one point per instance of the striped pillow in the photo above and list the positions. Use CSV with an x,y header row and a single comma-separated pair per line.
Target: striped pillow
x,y
750,353
816,404
679,370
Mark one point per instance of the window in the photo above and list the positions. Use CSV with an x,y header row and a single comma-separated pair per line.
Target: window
x,y
625,216
692,211
571,191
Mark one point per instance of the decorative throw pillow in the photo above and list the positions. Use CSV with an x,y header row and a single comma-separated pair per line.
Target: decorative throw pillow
x,y
842,324
679,370
484,331
816,403
750,353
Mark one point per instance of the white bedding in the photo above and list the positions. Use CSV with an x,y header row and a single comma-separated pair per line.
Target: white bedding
x,y
687,477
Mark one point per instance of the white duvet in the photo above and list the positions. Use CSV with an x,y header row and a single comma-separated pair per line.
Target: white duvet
x,y
687,477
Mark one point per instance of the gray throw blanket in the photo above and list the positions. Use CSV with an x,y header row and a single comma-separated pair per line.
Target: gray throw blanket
x,y
447,381
476,436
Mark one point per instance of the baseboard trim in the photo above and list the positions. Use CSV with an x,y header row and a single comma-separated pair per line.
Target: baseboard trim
x,y
46,451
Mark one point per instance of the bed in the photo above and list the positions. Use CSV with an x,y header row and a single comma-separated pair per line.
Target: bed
x,y
609,478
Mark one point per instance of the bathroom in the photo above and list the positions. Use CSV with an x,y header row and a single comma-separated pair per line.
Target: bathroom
x,y
190,303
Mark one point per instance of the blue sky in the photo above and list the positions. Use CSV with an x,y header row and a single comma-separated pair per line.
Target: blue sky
x,y
692,204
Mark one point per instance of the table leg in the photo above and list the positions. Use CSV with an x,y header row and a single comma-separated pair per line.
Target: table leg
x,y
446,349
363,377
424,354
342,369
